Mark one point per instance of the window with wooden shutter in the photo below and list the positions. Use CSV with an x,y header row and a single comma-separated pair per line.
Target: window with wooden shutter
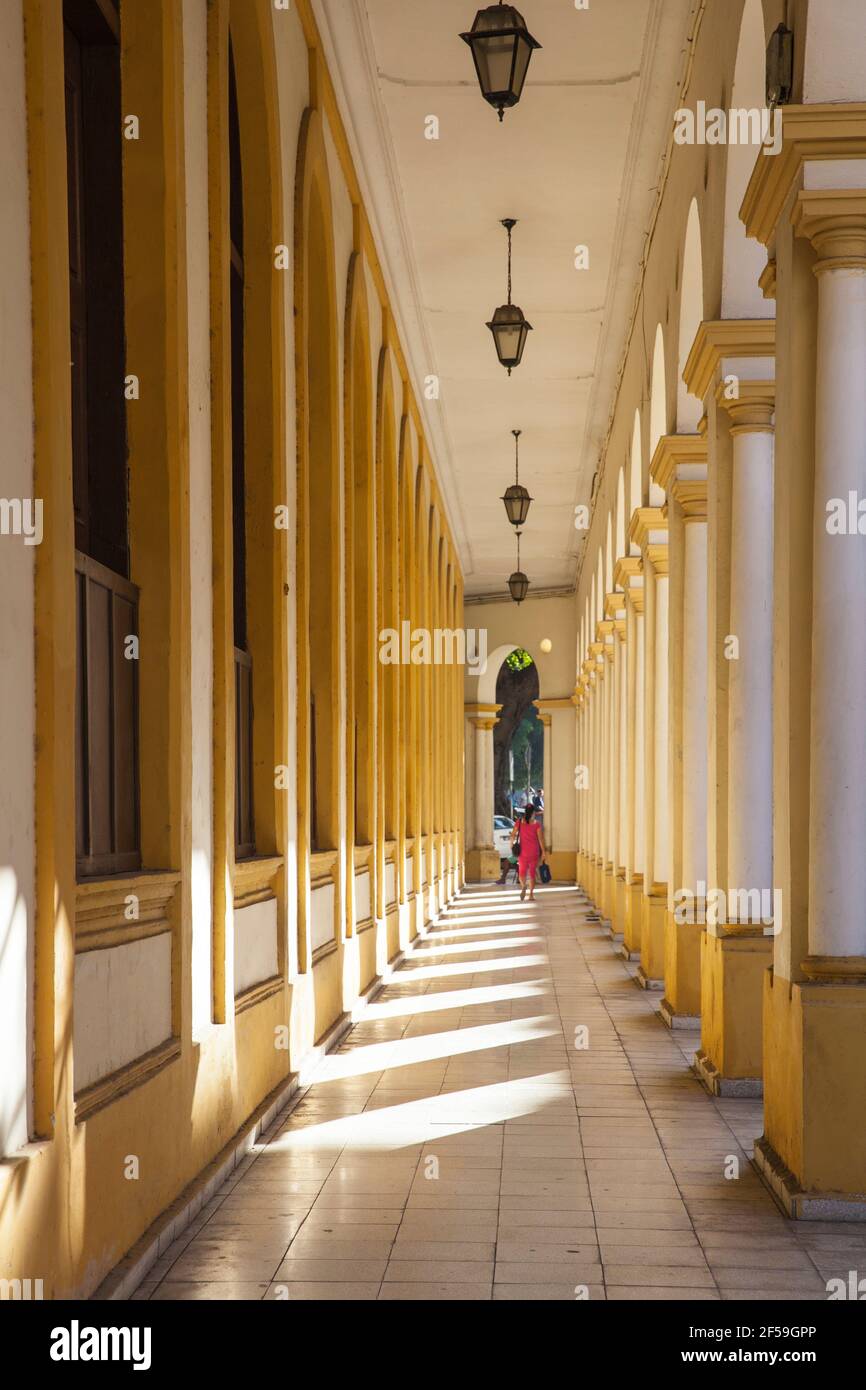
x,y
245,835
107,816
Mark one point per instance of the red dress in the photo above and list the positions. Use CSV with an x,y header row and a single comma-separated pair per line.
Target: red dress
x,y
530,849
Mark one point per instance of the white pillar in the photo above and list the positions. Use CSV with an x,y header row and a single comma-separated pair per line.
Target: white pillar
x,y
612,784
661,837
484,782
750,688
694,776
622,745
547,817
639,803
837,858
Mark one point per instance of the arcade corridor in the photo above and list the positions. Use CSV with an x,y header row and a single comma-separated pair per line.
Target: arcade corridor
x,y
459,1145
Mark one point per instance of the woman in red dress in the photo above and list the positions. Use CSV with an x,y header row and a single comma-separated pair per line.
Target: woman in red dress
x,y
532,851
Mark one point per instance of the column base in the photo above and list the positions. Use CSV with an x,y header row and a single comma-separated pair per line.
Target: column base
x,y
619,892
673,1019
608,898
734,961
633,917
813,1150
682,969
623,951
652,938
736,1088
800,1205
482,865
646,982
562,866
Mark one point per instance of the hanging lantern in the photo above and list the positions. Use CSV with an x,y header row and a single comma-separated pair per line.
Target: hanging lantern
x,y
517,500
518,583
501,49
780,67
508,325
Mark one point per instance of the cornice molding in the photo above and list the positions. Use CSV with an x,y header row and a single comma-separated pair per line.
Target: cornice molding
x,y
644,522
675,451
752,409
818,132
720,338
835,223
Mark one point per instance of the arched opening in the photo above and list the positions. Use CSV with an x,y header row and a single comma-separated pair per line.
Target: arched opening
x,y
635,475
691,317
390,600
609,558
319,505
408,608
518,738
658,410
620,530
361,590
744,258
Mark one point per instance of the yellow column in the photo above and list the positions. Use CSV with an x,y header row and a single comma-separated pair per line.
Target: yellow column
x,y
813,1151
679,468
614,607
649,531
629,574
734,955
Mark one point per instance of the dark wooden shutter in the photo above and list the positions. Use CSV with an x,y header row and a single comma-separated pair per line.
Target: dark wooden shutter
x,y
245,837
107,829
106,733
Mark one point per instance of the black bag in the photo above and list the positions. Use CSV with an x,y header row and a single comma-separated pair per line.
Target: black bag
x,y
544,874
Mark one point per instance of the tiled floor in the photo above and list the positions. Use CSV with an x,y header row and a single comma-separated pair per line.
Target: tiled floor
x,y
511,1120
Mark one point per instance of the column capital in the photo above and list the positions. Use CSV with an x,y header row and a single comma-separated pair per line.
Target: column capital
x,y
614,604
753,407
649,530
691,496
717,339
676,452
629,573
767,280
818,132
625,571
558,702
483,716
834,220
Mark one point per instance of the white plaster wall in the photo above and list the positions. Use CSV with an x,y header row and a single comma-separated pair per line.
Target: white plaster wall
x,y
525,625
256,956
559,779
834,68
17,852
410,874
201,547
390,884
322,915
122,1006
363,901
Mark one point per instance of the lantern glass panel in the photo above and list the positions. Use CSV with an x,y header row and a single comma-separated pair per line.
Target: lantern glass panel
x,y
521,65
494,58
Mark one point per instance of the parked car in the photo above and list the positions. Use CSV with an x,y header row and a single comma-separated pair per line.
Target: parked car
x,y
502,828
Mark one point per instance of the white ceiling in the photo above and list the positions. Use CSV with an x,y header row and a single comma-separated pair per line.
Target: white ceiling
x,y
576,162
